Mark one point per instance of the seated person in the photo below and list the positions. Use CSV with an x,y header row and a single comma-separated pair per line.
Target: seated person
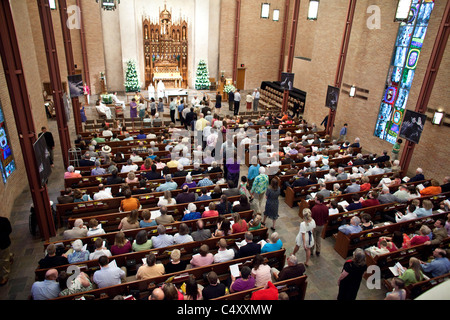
x,y
273,243
439,266
52,260
204,196
211,212
422,237
191,213
245,282
243,204
353,227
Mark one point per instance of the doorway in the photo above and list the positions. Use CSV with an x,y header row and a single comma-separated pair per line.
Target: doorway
x,y
240,81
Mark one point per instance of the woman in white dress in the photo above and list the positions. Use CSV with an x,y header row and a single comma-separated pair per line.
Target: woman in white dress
x,y
305,237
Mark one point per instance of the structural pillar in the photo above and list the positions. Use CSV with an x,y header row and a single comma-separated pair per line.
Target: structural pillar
x,y
55,77
429,80
291,50
283,38
69,61
342,60
87,76
23,115
236,39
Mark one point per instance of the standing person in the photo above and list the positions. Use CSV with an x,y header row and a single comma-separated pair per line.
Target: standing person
x,y
249,100
5,254
237,101
83,114
305,236
325,121
218,102
259,189
296,109
343,133
320,213
231,100
396,150
272,202
48,136
160,106
133,108
172,108
180,111
351,276
256,97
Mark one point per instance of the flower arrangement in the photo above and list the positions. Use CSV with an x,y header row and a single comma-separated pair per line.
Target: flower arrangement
x,y
228,88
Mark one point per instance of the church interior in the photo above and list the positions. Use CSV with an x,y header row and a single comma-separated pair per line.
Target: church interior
x,y
377,68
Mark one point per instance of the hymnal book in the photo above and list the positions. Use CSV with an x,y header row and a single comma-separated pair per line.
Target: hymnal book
x,y
234,270
397,269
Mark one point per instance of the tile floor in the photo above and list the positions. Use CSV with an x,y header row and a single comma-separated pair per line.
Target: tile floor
x,y
28,250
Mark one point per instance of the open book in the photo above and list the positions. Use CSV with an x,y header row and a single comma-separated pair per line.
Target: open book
x,y
397,269
234,270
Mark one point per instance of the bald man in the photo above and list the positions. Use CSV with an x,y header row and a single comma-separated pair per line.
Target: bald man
x,y
157,294
47,289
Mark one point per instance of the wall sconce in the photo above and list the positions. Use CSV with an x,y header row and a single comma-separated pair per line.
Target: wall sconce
x,y
403,9
276,15
438,117
352,92
265,10
52,4
313,9
109,4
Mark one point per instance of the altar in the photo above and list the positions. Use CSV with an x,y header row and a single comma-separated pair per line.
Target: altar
x,y
166,51
171,77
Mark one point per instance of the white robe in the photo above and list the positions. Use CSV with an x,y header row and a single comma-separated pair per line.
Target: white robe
x,y
161,89
151,92
106,110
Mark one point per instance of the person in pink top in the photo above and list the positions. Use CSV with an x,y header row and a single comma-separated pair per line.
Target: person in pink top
x,y
211,212
203,258
71,173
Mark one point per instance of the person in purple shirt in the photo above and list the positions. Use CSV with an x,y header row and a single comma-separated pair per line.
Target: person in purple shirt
x,y
244,282
189,182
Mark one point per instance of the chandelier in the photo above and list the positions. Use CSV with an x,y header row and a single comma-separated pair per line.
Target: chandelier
x,y
109,5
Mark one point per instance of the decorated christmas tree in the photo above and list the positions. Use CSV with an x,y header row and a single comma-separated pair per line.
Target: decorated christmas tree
x,y
131,78
202,79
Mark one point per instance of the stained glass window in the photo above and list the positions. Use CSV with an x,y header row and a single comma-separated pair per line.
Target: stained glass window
x,y
408,46
7,163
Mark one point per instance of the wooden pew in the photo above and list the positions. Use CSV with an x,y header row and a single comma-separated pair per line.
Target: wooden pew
x,y
162,254
345,244
144,287
209,223
148,201
296,194
295,288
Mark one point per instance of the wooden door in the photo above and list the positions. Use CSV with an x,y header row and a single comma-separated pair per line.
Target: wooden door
x,y
240,81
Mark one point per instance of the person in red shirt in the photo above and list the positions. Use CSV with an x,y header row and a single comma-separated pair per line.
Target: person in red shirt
x,y
365,186
371,201
270,292
320,215
239,224
422,237
211,212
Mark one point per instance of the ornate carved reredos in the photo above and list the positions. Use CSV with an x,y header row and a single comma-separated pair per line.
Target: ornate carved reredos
x,y
166,49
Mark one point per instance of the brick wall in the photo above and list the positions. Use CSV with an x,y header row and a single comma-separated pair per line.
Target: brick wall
x,y
17,182
367,65
259,41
